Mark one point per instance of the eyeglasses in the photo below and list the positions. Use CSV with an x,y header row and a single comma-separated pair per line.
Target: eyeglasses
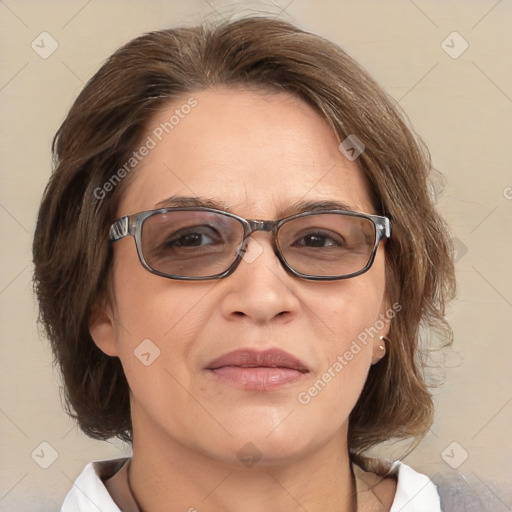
x,y
196,243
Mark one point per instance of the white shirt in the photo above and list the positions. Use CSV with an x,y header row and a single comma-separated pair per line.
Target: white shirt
x,y
414,492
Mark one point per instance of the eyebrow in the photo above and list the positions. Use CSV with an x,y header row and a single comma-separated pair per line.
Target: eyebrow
x,y
293,209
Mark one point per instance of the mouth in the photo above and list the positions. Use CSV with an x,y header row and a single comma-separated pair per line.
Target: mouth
x,y
254,370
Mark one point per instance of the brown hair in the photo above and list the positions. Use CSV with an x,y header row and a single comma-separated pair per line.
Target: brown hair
x,y
109,118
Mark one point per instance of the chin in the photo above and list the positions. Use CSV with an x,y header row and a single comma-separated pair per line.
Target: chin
x,y
261,454
251,446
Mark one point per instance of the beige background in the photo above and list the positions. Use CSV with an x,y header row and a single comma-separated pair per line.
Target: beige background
x,y
461,107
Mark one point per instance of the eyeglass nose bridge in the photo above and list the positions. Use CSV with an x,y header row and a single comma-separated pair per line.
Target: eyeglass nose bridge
x,y
254,225
261,225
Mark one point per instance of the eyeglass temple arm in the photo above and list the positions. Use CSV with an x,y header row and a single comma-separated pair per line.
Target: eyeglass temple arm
x,y
385,227
119,229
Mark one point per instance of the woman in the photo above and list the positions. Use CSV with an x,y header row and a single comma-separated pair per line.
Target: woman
x,y
233,259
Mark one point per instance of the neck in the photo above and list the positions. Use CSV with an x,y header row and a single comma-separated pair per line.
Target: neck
x,y
164,473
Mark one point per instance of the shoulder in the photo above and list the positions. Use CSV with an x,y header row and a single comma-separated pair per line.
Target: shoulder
x,y
469,493
401,489
415,492
89,489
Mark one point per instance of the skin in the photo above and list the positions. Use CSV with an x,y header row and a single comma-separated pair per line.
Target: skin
x,y
258,152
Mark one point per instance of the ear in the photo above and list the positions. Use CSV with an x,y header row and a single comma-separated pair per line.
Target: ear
x,y
102,328
379,348
383,322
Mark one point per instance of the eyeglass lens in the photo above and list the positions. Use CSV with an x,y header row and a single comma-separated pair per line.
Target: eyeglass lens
x,y
201,243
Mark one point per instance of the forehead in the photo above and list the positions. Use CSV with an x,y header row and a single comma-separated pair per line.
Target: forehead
x,y
253,152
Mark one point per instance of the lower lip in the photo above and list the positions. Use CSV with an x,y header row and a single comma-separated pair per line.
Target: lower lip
x,y
258,378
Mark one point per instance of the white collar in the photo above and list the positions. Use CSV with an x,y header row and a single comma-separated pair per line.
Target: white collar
x,y
414,492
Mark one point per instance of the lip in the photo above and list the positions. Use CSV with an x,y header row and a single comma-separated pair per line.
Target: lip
x,y
256,370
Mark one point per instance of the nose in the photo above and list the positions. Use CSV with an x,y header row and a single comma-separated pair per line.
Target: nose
x,y
260,289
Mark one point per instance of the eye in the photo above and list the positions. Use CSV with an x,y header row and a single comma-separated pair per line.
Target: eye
x,y
198,236
320,239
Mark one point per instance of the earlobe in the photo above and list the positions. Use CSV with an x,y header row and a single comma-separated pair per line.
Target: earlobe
x,y
101,328
381,343
380,348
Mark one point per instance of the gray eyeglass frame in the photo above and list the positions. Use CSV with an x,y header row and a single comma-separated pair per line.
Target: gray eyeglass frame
x,y
132,225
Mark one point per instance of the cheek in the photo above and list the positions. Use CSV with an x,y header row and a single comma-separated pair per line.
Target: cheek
x,y
333,390
154,315
349,310
348,352
349,314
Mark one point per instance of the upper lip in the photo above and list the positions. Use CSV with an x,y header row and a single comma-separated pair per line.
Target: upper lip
x,y
251,358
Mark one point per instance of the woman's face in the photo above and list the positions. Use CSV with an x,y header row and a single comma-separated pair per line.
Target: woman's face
x,y
257,154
